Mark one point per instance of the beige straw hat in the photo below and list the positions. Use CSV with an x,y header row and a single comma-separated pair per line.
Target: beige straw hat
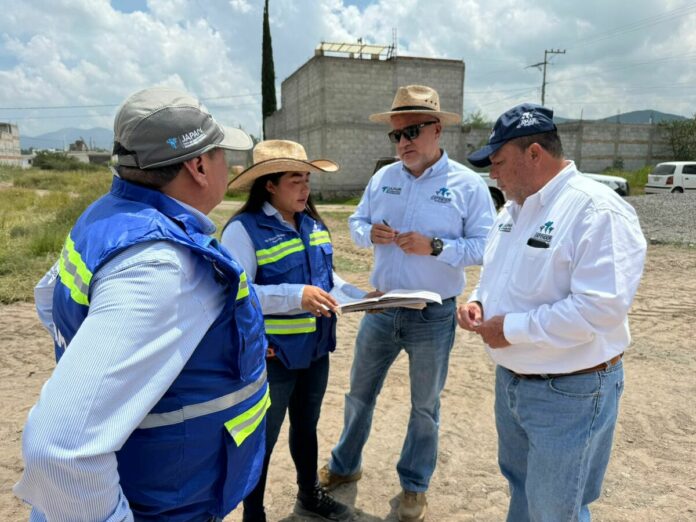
x,y
273,156
417,99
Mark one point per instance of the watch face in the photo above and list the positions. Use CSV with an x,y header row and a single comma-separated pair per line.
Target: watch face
x,y
436,244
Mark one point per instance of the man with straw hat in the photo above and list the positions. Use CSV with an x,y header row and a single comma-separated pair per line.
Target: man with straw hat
x,y
155,410
285,247
426,217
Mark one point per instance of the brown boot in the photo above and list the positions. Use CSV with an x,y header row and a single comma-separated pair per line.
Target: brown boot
x,y
330,480
412,506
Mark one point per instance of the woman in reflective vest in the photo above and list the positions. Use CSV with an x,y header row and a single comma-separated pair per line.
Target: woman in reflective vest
x,y
284,246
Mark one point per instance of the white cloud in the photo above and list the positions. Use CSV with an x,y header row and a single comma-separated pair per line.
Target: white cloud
x,y
84,52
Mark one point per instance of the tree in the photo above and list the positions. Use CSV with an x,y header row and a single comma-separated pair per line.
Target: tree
x,y
681,136
268,94
476,120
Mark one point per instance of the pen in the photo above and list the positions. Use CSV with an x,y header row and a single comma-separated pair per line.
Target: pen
x,y
385,222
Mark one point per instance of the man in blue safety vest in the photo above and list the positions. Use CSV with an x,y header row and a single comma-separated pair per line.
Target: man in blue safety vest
x,y
155,410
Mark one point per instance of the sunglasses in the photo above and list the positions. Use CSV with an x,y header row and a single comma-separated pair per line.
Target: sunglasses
x,y
410,133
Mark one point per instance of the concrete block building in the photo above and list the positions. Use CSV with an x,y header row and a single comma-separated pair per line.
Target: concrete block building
x,y
325,105
10,150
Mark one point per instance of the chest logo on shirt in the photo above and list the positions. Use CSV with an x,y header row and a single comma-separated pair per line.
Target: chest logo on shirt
x,y
394,191
442,195
542,239
505,227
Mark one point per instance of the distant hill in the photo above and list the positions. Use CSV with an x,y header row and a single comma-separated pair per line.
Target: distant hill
x,y
643,116
97,137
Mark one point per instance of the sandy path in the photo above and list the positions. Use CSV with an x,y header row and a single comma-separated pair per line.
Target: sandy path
x,y
652,475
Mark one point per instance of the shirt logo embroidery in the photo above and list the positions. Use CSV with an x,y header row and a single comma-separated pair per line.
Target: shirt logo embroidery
x,y
542,239
505,227
442,195
395,191
527,120
546,227
172,142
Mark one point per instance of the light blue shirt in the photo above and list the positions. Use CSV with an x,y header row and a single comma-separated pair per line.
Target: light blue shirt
x,y
150,306
448,201
285,298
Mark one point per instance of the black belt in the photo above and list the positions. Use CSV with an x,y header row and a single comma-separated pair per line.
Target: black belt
x,y
600,367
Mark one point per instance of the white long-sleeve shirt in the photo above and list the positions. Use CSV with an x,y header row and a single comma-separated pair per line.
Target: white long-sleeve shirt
x,y
448,201
149,308
563,269
285,298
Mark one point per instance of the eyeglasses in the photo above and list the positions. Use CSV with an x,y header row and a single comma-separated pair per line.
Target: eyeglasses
x,y
410,133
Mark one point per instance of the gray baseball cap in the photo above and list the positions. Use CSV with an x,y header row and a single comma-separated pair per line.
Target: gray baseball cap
x,y
162,126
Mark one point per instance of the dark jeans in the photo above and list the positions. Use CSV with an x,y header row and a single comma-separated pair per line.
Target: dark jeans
x,y
300,392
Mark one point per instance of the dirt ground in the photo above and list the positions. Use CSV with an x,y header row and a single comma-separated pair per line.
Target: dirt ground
x,y
651,477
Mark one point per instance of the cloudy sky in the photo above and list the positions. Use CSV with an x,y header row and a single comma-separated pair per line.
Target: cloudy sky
x,y
69,63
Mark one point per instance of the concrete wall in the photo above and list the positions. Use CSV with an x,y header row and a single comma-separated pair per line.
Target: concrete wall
x,y
325,106
10,151
597,146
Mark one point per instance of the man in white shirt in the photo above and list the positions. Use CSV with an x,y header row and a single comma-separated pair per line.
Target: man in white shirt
x,y
561,267
426,217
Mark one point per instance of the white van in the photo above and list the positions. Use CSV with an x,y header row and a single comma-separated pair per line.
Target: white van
x,y
672,176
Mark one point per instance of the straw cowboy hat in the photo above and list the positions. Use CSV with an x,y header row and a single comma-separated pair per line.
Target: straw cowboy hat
x,y
417,99
273,156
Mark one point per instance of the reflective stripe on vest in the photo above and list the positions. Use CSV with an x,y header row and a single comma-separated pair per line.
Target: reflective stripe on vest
x,y
243,286
320,237
279,251
157,420
290,326
74,273
245,423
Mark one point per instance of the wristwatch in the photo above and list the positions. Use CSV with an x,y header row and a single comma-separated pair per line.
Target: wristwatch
x,y
437,245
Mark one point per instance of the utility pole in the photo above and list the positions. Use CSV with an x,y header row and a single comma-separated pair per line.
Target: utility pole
x,y
543,64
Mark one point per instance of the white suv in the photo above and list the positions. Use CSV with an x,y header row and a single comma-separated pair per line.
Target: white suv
x,y
672,176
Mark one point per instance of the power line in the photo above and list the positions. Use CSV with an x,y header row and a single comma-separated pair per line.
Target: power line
x,y
638,24
113,104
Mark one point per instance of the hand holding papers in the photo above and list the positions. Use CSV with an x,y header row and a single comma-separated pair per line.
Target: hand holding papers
x,y
416,299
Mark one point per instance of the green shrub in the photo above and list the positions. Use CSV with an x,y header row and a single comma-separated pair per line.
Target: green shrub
x,y
37,210
636,178
46,160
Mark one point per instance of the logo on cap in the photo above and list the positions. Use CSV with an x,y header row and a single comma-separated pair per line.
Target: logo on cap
x,y
192,138
172,142
527,120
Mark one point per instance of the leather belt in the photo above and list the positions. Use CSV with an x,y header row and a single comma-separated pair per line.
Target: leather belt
x,y
600,367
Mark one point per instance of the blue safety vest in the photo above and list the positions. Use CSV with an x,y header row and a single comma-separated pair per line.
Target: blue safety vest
x,y
200,449
303,256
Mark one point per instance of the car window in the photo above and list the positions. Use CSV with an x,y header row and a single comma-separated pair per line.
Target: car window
x,y
664,169
689,169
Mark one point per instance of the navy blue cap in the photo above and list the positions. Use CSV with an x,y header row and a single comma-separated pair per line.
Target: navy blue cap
x,y
522,120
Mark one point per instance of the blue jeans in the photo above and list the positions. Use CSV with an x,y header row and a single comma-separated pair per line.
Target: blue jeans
x,y
427,336
554,440
300,393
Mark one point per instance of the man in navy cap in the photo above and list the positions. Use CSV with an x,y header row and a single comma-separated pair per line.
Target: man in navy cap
x,y
561,266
